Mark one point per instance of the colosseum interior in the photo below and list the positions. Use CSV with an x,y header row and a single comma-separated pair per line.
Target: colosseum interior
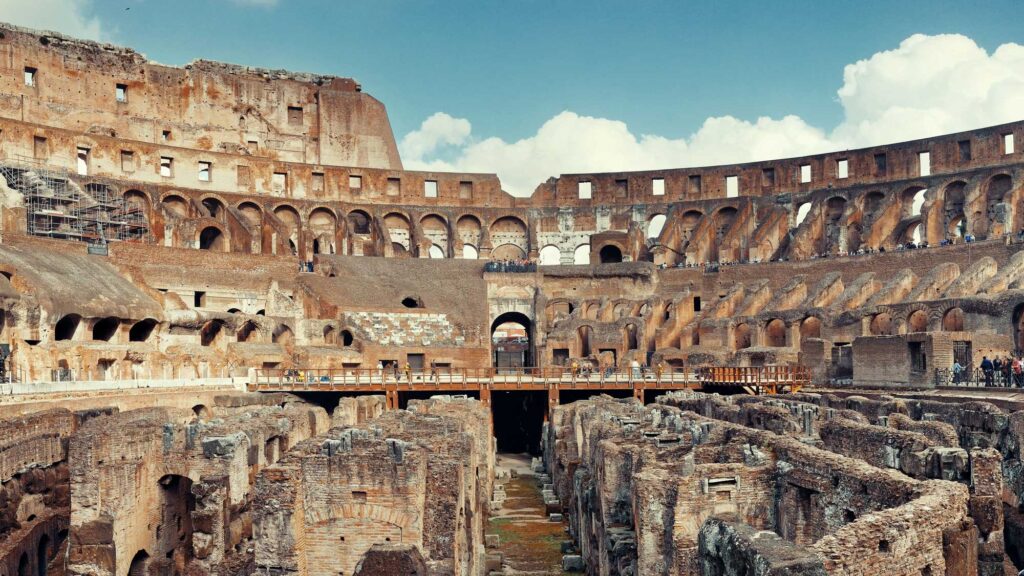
x,y
239,338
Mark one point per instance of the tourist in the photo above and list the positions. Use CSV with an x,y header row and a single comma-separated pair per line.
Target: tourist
x,y
986,369
1018,372
380,370
433,371
408,372
635,369
394,368
659,369
957,372
574,368
997,367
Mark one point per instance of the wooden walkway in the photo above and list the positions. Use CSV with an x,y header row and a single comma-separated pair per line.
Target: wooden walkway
x,y
484,381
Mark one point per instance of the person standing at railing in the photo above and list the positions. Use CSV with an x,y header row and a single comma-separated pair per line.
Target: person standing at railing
x,y
987,369
1018,372
408,372
659,369
997,371
634,367
380,370
958,371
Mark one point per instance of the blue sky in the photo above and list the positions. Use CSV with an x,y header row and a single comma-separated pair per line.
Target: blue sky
x,y
508,67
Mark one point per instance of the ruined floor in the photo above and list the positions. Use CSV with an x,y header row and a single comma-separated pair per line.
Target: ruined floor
x,y
529,542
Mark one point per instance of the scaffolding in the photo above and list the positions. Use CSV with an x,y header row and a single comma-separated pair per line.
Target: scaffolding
x,y
56,207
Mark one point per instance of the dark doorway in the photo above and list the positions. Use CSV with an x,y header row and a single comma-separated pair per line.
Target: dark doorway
x,y
610,254
518,420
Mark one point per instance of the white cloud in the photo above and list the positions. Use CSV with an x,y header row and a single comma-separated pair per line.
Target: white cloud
x,y
928,85
70,17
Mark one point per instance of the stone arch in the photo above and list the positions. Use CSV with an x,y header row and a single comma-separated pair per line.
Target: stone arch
x,y
775,333
997,191
175,205
509,230
323,224
954,196
435,229
42,555
211,333
655,225
802,210
742,336
66,327
136,202
252,213
810,327
346,338
550,255
138,565
581,256
330,335
105,329
214,207
882,325
687,223
630,336
283,335
469,231
399,232
436,252
142,330
213,239
610,254
508,252
914,232
953,320
470,252
873,203
515,317
917,321
359,221
202,412
248,332
912,199
1018,327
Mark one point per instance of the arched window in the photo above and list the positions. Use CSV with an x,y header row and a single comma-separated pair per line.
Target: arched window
x,y
550,255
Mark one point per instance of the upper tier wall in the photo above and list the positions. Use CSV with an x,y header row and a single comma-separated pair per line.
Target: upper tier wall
x,y
302,136
95,88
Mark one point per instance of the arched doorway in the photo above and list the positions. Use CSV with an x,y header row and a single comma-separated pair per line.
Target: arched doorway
x,y
953,320
610,254
511,340
42,555
138,565
775,333
881,325
212,239
741,336
810,328
1018,327
917,321
550,255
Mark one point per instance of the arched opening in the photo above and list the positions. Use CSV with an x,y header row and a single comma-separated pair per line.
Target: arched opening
x,y
656,225
810,328
400,231
550,255
581,256
874,202
42,555
412,302
775,333
583,336
247,333
346,338
509,230
997,192
436,252
913,201
201,412
24,569
282,335
105,329
323,225
252,213
630,337
359,222
881,325
214,207
316,246
741,336
210,333
508,252
139,563
913,233
801,213
511,340
66,327
330,335
610,254
435,229
469,231
953,320
141,330
917,321
211,238
469,252
175,205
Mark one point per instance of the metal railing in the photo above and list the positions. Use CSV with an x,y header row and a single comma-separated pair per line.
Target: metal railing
x,y
978,378
769,378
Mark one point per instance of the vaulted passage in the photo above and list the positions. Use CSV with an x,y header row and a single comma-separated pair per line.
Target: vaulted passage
x,y
518,419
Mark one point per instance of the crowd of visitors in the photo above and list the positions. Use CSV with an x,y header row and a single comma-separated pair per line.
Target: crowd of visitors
x,y
515,266
1005,372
